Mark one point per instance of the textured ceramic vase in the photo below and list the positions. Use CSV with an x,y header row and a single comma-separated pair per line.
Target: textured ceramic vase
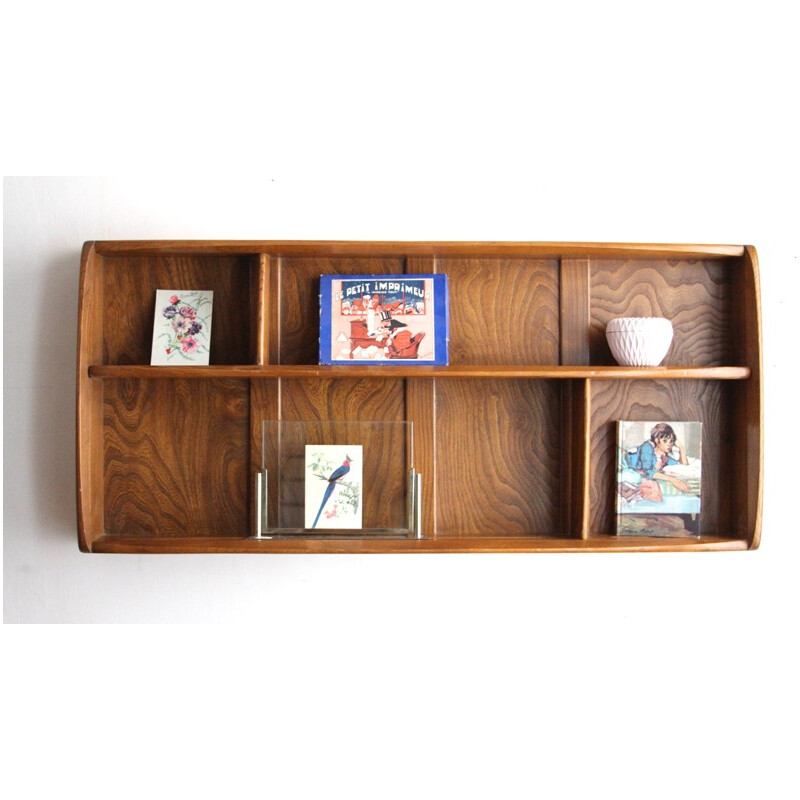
x,y
639,341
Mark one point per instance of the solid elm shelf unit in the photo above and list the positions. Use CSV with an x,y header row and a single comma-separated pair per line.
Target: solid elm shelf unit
x,y
514,441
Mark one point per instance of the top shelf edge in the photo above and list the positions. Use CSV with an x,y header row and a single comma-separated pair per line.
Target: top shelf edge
x,y
412,248
456,371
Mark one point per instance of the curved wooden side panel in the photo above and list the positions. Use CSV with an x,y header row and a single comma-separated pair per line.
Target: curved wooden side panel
x,y
752,443
89,423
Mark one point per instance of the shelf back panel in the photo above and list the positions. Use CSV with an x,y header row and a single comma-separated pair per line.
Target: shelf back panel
x,y
498,458
503,310
696,296
129,303
176,457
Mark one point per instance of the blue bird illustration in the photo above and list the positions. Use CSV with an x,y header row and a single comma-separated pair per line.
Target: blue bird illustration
x,y
335,476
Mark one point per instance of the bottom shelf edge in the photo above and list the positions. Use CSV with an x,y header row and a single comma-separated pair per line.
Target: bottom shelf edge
x,y
443,544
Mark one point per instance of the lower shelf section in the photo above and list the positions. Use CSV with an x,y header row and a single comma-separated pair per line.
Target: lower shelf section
x,y
227,544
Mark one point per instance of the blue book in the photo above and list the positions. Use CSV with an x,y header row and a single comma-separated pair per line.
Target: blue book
x,y
383,319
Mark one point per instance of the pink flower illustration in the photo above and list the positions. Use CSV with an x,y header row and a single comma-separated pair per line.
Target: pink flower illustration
x,y
189,345
174,299
188,312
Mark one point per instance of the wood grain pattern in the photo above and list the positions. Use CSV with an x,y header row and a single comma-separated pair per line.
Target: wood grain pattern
x,y
176,458
502,311
695,296
299,313
129,306
709,402
574,311
498,458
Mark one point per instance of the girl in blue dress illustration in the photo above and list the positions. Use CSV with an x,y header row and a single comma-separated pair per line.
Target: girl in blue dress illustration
x,y
650,457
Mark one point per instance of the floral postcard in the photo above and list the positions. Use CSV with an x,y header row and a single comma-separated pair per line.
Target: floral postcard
x,y
658,478
333,486
182,327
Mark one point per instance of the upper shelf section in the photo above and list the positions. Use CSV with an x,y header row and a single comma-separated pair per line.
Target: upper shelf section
x,y
517,309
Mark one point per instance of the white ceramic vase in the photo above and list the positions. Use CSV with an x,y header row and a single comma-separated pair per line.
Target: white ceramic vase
x,y
639,341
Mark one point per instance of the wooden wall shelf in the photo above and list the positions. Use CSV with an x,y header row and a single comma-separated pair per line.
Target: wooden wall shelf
x,y
514,440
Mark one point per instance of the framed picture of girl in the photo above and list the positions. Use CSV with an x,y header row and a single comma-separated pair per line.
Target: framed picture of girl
x,y
658,478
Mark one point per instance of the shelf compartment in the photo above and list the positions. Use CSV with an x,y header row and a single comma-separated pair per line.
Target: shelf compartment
x,y
711,402
172,455
697,296
383,457
293,312
498,458
502,310
125,307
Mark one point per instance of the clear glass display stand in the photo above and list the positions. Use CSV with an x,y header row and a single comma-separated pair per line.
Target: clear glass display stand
x,y
331,478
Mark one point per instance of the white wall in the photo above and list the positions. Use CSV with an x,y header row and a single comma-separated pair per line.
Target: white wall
x,y
649,675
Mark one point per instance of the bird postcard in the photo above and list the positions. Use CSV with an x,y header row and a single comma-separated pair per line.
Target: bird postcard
x,y
333,484
658,478
182,327
383,319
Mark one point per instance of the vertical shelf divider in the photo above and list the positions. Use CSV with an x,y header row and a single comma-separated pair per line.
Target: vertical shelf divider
x,y
265,395
574,311
421,410
259,295
574,329
575,420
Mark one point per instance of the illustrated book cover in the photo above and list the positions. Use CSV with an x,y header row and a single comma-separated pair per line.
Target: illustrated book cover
x,y
182,327
333,486
383,319
658,478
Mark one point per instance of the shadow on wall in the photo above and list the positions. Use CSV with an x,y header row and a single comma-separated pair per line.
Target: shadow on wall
x,y
53,405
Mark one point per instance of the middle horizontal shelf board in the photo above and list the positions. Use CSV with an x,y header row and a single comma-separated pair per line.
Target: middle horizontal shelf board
x,y
498,371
